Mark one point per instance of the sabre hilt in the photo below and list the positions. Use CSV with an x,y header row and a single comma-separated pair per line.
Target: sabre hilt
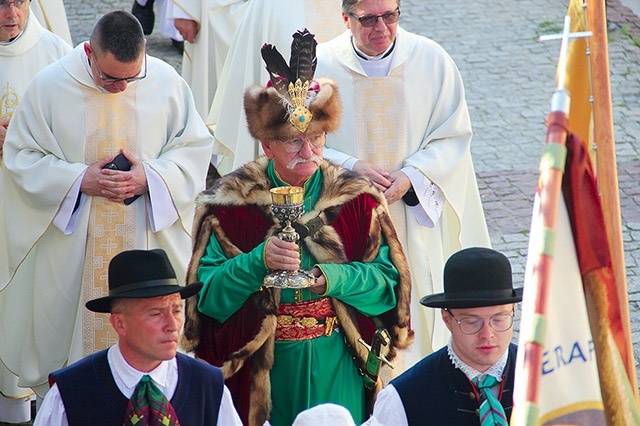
x,y
372,367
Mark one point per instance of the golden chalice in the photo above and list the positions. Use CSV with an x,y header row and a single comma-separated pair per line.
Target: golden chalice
x,y
288,206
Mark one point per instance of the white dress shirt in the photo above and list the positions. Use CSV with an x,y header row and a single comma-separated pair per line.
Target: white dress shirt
x,y
389,409
165,376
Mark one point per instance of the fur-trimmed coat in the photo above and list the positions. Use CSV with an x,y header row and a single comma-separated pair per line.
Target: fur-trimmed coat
x,y
245,352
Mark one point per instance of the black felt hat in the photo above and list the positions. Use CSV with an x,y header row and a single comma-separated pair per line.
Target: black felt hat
x,y
475,277
141,274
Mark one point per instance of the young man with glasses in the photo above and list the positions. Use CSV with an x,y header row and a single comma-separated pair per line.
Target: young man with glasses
x,y
406,126
64,214
469,381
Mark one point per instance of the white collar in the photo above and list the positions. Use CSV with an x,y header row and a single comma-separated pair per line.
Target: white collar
x,y
128,376
87,66
375,66
495,370
16,38
366,57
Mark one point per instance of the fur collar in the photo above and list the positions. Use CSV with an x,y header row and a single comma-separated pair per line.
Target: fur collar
x,y
249,185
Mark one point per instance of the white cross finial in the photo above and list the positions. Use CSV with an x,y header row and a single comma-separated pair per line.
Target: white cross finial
x,y
566,37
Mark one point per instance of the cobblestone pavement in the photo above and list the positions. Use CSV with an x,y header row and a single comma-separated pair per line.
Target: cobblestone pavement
x,y
509,77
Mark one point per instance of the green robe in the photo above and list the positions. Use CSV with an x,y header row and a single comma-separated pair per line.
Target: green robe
x,y
306,372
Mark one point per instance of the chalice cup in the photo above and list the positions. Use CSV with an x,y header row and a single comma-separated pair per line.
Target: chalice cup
x,y
288,206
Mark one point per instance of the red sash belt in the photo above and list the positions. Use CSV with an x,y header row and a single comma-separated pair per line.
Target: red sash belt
x,y
305,320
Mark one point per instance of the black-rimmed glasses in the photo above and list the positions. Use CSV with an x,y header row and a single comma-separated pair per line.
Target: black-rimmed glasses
x,y
472,325
112,80
371,20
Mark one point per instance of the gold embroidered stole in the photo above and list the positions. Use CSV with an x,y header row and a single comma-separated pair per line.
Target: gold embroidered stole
x,y
380,128
323,19
111,125
381,140
9,101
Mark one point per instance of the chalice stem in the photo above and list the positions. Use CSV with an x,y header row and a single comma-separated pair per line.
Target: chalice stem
x,y
289,233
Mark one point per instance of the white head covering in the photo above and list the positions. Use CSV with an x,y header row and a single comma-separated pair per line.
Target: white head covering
x,y
324,415
372,422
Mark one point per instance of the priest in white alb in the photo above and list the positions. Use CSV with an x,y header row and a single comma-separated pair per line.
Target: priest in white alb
x,y
25,49
52,16
406,126
66,210
207,26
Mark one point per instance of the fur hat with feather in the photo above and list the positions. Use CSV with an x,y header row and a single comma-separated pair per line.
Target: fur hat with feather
x,y
292,104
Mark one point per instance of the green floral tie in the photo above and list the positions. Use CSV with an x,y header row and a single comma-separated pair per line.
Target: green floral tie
x,y
148,406
491,411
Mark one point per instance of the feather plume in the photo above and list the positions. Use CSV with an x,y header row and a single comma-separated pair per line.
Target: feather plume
x,y
292,81
279,71
303,56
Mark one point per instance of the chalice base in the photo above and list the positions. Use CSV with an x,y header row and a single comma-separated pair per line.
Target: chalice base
x,y
289,279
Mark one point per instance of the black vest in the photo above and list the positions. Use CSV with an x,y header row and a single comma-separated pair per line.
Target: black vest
x,y
91,396
434,392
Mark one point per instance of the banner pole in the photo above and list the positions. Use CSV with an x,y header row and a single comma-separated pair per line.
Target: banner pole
x,y
606,170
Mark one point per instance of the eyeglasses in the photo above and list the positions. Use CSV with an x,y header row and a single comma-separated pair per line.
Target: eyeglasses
x,y
5,4
111,80
472,325
296,144
371,20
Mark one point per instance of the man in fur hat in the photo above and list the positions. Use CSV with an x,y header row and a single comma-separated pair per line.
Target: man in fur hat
x,y
285,350
469,381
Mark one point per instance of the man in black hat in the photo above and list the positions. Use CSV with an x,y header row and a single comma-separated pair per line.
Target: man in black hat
x,y
142,378
469,381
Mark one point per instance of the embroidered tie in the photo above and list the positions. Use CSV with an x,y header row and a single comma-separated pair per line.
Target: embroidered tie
x,y
491,411
148,406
